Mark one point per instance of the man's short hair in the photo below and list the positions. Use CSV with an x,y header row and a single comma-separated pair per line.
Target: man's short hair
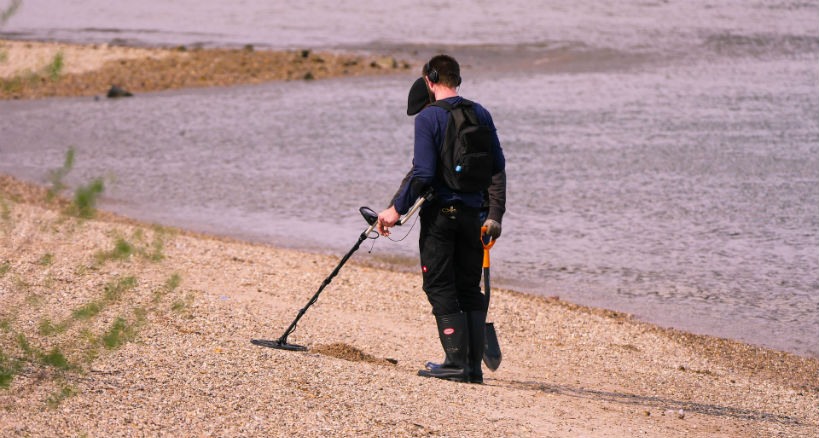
x,y
443,69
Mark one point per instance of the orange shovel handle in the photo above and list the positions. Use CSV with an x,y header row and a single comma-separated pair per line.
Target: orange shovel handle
x,y
486,247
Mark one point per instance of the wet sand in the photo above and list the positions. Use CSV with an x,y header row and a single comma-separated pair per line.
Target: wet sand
x,y
110,327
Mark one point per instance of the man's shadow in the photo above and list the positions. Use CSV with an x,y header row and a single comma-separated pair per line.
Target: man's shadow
x,y
647,401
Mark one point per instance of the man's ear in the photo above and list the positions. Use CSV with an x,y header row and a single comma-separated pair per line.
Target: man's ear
x,y
430,89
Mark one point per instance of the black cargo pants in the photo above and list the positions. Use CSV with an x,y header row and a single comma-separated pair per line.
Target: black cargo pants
x,y
451,258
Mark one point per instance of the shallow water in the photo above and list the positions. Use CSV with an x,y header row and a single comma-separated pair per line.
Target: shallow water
x,y
668,170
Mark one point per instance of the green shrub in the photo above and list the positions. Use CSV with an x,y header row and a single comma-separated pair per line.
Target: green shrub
x,y
87,311
48,328
5,14
119,333
5,210
157,246
56,359
122,251
8,369
24,345
170,285
55,399
46,260
85,199
173,282
114,290
178,305
56,176
54,69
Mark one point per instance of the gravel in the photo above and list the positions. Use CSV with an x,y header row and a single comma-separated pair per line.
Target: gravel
x,y
187,367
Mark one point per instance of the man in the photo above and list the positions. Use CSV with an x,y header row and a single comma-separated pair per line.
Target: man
x,y
450,247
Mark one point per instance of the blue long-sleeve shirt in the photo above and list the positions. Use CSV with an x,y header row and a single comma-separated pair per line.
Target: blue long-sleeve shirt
x,y
430,128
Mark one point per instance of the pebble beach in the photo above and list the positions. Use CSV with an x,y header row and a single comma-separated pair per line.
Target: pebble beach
x,y
111,327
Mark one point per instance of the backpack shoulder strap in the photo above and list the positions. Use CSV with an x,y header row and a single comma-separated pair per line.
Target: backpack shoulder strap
x,y
463,103
443,104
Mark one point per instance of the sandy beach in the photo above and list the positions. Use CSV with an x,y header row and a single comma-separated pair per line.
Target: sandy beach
x,y
110,327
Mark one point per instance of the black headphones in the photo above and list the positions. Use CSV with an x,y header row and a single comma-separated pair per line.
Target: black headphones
x,y
432,74
434,77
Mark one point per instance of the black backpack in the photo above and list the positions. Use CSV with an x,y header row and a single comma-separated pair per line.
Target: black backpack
x,y
466,153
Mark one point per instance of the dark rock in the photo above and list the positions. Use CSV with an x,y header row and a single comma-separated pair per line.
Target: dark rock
x,y
116,91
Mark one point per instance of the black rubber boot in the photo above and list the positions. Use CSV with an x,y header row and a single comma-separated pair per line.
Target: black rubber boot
x,y
446,362
477,343
454,333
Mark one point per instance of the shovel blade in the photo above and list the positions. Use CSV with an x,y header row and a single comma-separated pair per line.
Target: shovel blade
x,y
492,354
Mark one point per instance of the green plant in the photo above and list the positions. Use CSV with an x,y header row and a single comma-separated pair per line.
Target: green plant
x,y
54,358
8,369
91,352
5,210
184,305
113,291
48,281
173,282
178,305
23,287
170,285
122,250
46,260
55,399
119,333
10,10
87,311
85,199
5,267
48,328
56,176
157,246
34,300
55,68
11,85
24,345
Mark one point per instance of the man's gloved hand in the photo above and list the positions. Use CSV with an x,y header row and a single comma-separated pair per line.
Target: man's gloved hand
x,y
493,228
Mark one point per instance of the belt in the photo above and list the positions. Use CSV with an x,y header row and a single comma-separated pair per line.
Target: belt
x,y
452,210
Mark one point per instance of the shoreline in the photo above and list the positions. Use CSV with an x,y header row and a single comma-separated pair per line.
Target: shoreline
x,y
582,370
35,70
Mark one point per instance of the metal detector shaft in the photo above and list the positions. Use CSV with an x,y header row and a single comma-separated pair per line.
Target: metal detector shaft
x,y
372,218
412,210
282,342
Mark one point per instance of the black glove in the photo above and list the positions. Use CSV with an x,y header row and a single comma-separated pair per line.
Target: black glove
x,y
493,228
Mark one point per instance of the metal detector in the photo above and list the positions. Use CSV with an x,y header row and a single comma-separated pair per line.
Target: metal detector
x,y
372,220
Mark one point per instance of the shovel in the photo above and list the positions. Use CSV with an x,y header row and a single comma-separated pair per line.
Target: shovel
x,y
492,354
